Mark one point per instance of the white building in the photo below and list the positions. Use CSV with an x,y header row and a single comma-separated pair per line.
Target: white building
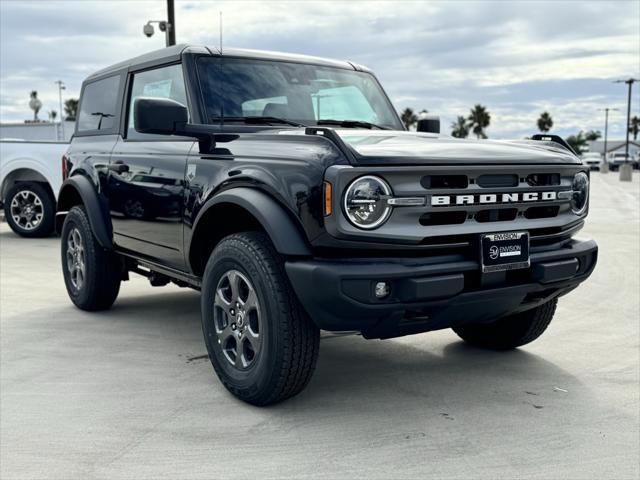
x,y
615,146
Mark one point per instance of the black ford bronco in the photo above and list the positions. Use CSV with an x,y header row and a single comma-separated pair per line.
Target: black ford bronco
x,y
286,189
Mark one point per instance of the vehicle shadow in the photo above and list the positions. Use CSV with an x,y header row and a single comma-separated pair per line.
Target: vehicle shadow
x,y
354,375
158,303
7,234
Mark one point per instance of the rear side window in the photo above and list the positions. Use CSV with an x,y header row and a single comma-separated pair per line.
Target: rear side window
x,y
99,105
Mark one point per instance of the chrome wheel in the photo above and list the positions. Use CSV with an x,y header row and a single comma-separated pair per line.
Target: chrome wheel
x,y
27,210
236,317
76,258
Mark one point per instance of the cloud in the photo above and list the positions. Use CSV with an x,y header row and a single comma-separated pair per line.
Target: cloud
x,y
517,58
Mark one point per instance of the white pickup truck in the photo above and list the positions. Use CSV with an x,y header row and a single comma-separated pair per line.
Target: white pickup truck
x,y
30,178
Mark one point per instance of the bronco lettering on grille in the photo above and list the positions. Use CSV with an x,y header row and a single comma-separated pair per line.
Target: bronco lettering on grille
x,y
489,198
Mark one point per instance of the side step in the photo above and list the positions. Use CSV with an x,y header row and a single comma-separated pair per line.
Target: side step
x,y
160,275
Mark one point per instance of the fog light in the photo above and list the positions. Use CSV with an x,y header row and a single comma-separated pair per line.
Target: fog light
x,y
382,289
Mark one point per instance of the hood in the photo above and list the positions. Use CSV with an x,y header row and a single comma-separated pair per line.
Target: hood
x,y
380,147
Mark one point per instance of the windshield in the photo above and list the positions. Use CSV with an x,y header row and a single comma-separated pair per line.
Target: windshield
x,y
237,88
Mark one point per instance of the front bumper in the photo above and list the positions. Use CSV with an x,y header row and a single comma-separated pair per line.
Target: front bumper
x,y
431,293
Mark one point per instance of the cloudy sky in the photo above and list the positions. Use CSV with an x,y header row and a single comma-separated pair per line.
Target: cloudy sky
x,y
518,58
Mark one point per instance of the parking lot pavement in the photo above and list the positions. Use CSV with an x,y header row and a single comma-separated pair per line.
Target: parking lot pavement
x,y
128,393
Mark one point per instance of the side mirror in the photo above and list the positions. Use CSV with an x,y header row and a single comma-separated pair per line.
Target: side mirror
x,y
160,116
429,124
163,116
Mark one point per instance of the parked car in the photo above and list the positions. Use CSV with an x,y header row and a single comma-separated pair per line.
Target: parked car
x,y
618,158
593,160
30,178
286,189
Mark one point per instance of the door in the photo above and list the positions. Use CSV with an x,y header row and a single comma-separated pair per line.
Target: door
x,y
146,179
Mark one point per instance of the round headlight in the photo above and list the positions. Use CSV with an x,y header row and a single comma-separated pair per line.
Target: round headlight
x,y
365,202
580,196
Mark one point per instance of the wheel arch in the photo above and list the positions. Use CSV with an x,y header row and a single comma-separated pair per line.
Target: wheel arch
x,y
24,174
243,209
79,190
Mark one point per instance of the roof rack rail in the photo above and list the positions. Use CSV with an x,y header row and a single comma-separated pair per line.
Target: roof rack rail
x,y
543,137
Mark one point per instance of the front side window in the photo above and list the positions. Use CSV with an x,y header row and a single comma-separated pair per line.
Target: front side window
x,y
164,82
236,88
99,105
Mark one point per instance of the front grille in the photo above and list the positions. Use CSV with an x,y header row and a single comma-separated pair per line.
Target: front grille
x,y
502,198
443,218
543,179
445,181
496,181
541,212
458,207
496,215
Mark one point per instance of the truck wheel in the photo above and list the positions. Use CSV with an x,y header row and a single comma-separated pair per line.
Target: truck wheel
x,y
92,274
30,210
509,332
262,344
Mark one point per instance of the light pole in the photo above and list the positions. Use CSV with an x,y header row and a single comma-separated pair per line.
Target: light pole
x,y
168,27
626,170
605,164
171,19
61,86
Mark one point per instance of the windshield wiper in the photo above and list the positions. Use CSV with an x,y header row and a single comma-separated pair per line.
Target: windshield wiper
x,y
258,120
351,124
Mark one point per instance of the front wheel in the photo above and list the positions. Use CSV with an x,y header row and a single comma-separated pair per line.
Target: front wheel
x,y
511,331
262,344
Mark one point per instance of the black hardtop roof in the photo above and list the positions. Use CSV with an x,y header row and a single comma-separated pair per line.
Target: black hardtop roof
x,y
173,53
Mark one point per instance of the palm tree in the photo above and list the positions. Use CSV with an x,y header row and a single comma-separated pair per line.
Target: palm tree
x,y
577,142
545,122
52,115
634,126
71,108
460,128
593,135
35,104
479,119
409,118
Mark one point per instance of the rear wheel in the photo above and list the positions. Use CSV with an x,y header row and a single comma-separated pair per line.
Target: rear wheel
x,y
262,344
511,331
92,274
30,209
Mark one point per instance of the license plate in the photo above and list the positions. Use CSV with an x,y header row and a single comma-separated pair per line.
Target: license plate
x,y
504,251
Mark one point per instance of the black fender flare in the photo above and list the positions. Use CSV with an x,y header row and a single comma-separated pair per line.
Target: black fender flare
x,y
99,218
287,238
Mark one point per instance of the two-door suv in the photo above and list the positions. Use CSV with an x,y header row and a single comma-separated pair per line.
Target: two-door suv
x,y
286,189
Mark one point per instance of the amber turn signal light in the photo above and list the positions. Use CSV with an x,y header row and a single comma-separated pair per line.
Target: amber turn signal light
x,y
327,199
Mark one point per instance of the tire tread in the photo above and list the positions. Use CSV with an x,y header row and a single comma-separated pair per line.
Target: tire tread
x,y
300,342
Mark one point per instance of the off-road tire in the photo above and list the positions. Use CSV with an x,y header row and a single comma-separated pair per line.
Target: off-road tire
x,y
509,332
103,268
47,207
289,347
